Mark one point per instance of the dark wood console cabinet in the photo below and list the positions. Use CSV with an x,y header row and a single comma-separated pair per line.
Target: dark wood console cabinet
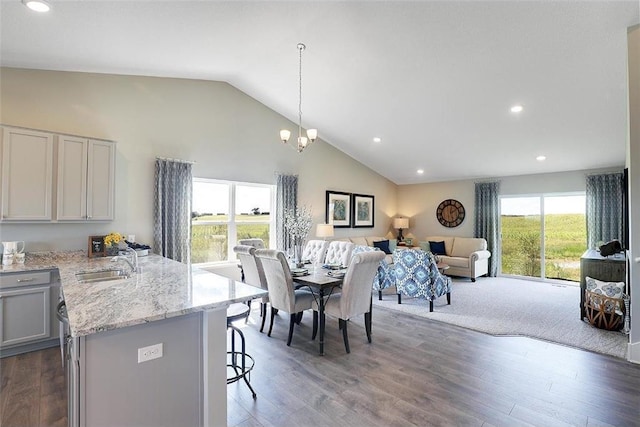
x,y
607,269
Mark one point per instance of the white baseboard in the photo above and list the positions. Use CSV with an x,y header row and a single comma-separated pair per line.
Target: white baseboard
x,y
634,352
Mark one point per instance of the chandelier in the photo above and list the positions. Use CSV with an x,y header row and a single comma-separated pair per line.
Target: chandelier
x,y
312,134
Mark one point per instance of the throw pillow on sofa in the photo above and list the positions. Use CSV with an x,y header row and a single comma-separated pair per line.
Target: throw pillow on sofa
x,y
437,248
383,245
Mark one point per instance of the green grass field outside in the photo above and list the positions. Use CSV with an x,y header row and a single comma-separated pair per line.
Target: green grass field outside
x,y
566,241
209,242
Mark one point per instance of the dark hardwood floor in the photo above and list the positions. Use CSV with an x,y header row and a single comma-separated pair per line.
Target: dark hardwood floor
x,y
416,372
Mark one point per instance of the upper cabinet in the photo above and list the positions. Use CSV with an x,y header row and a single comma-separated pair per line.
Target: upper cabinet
x,y
86,176
76,185
27,175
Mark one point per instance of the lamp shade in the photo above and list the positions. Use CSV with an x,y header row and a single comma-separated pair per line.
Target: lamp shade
x,y
401,223
324,230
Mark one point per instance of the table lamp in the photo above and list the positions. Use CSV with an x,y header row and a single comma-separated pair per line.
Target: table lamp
x,y
400,223
324,231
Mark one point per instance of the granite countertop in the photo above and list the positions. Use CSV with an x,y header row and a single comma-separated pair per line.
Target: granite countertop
x,y
162,289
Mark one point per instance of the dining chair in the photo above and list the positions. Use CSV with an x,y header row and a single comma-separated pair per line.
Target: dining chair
x,y
256,243
282,293
385,276
315,250
339,252
253,274
355,298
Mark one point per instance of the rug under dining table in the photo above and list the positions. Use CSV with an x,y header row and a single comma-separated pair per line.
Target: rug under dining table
x,y
506,306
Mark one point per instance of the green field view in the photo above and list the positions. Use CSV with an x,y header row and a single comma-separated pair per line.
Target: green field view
x,y
209,242
566,241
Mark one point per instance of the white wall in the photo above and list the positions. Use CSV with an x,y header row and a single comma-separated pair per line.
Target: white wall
x,y
228,134
420,201
634,187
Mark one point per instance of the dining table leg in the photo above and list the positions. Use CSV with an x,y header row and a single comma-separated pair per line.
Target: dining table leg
x,y
322,320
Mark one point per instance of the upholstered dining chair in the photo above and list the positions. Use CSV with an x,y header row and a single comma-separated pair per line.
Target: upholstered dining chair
x,y
339,252
256,243
282,293
315,250
417,275
253,274
385,276
355,298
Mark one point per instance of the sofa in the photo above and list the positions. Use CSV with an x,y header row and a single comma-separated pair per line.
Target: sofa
x,y
369,241
465,256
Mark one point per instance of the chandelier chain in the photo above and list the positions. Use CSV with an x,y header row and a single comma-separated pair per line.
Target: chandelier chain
x,y
300,49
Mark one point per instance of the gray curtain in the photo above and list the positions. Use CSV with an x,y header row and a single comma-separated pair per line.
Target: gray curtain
x,y
605,212
286,198
172,210
486,220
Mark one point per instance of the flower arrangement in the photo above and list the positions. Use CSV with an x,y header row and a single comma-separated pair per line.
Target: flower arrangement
x,y
297,222
113,239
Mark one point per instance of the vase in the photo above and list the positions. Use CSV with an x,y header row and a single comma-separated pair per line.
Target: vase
x,y
111,250
297,257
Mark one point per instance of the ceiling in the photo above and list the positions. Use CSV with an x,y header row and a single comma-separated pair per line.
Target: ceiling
x,y
434,80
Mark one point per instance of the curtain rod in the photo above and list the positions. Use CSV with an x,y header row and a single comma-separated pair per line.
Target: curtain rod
x,y
176,160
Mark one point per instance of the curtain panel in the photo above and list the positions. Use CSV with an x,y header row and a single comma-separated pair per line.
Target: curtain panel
x,y
286,199
172,209
487,218
605,212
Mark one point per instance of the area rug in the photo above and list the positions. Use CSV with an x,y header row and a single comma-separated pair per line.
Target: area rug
x,y
505,306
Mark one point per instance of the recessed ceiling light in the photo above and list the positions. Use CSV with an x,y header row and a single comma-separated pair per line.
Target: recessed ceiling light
x,y
516,108
420,171
541,158
377,139
37,5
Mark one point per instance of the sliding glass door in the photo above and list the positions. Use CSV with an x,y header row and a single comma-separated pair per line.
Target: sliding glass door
x,y
543,236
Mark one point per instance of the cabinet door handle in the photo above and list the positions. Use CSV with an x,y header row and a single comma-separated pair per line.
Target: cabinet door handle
x,y
31,279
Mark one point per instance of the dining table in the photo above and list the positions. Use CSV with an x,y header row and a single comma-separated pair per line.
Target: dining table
x,y
323,283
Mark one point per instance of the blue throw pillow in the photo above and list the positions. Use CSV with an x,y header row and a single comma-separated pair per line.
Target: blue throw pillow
x,y
437,248
383,245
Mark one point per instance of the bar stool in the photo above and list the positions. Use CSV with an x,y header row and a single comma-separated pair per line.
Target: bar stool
x,y
239,363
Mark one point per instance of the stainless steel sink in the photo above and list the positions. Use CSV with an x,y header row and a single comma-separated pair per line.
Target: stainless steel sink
x,y
102,275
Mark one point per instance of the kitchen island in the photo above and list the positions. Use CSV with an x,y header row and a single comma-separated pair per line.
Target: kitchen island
x,y
149,349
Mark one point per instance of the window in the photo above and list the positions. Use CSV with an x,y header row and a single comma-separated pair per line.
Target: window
x,y
543,235
226,211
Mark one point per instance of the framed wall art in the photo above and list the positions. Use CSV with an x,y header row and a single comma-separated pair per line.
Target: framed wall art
x,y
363,207
338,210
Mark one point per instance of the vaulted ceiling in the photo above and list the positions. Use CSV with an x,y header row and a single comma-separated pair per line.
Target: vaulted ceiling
x,y
434,80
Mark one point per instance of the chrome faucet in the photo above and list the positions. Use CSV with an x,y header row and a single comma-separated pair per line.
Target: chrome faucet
x,y
134,256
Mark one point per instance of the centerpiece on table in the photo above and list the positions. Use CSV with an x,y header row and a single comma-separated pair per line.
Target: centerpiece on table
x,y
113,242
297,223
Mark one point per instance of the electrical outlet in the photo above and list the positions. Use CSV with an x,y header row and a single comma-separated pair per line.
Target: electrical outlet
x,y
149,353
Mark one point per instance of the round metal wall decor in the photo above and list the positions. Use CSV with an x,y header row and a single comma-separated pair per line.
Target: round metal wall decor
x,y
450,213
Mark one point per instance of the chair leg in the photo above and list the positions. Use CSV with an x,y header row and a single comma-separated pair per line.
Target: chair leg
x,y
367,325
399,299
273,314
430,306
299,317
345,335
292,323
315,325
263,313
380,295
449,298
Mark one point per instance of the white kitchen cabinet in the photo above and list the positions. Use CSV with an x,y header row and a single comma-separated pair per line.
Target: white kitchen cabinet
x,y
27,311
27,175
86,179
